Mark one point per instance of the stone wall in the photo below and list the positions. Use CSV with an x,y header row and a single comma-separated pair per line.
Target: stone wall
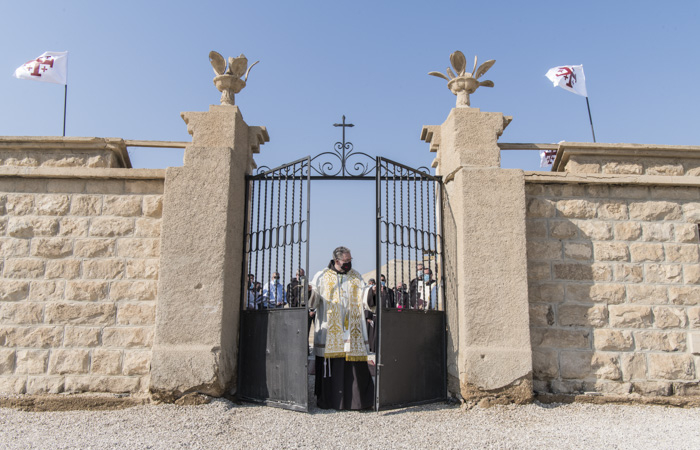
x,y
79,255
614,285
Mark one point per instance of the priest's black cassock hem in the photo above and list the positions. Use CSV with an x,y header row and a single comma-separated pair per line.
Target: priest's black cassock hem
x,y
346,384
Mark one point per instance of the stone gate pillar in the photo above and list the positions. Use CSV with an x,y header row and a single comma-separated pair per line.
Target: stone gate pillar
x,y
486,267
196,341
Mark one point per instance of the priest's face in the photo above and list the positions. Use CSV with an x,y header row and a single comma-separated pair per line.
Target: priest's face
x,y
345,258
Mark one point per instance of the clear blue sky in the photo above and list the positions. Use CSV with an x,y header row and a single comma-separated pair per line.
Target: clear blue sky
x,y
135,65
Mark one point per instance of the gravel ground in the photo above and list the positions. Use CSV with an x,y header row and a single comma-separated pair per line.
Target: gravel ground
x,y
223,424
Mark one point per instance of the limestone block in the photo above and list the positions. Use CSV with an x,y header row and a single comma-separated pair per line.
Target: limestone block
x,y
86,205
657,232
565,190
45,385
611,251
541,315
691,212
686,389
668,366
52,204
652,388
655,210
628,191
106,362
694,317
114,385
567,387
139,248
81,290
111,226
675,193
660,341
3,225
147,228
10,247
114,187
628,231
537,271
81,337
557,338
647,294
623,168
24,268
612,340
31,362
562,229
582,251
546,293
576,365
536,229
136,314
629,316
122,205
596,293
608,387
46,290
683,253
30,226
142,268
13,385
143,186
670,169
634,366
133,290
582,272
153,206
540,387
628,273
63,268
684,295
80,313
127,337
7,361
13,291
65,185
596,229
543,250
694,343
69,361
613,210
540,207
545,364
91,248
643,252
663,273
21,313
137,362
74,226
582,315
103,269
52,247
533,189
576,209
597,190
606,366
19,204
686,232
669,317
35,336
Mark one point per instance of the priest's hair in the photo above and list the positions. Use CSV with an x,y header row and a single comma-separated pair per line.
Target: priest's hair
x,y
340,251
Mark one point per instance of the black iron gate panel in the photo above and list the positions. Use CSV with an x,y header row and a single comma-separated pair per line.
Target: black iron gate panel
x,y
273,346
411,358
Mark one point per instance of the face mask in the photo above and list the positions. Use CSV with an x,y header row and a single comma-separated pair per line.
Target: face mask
x,y
419,273
277,280
346,266
426,277
383,283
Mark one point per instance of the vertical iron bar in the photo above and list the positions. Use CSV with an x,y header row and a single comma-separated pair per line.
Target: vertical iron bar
x,y
284,237
264,247
378,353
293,208
393,192
277,238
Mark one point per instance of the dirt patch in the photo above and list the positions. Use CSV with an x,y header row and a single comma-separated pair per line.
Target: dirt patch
x,y
72,402
677,401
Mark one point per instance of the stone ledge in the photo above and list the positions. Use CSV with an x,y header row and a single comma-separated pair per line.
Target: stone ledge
x,y
83,173
600,178
72,402
632,399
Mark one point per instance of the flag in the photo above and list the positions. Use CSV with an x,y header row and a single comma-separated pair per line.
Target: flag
x,y
570,78
50,67
547,157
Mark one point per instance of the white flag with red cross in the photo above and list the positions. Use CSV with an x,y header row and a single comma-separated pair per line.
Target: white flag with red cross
x,y
570,78
50,67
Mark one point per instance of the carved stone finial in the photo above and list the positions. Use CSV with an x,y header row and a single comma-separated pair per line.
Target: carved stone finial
x,y
464,83
228,81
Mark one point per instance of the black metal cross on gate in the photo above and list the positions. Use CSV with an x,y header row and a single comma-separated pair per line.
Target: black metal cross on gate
x,y
344,125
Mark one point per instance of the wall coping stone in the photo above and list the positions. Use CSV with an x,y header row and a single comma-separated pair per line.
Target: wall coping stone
x,y
600,178
59,144
82,172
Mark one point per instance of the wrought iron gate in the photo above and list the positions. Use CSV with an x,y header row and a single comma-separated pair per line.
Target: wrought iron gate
x,y
273,345
411,357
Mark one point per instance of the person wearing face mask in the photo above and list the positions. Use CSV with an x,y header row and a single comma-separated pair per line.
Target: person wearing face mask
x,y
387,296
273,295
339,295
426,292
413,288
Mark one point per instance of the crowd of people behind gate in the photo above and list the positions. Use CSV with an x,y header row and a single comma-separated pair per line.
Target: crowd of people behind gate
x,y
420,293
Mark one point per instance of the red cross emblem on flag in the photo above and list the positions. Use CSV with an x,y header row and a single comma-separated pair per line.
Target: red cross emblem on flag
x,y
49,67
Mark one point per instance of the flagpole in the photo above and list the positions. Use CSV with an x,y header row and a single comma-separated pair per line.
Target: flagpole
x,y
590,118
65,99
